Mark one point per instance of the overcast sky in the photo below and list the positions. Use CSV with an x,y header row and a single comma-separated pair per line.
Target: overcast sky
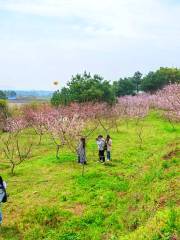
x,y
46,40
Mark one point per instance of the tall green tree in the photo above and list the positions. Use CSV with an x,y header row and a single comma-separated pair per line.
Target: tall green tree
x,y
61,97
124,87
136,79
158,79
84,88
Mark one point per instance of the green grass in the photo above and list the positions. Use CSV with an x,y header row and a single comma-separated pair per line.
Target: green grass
x,y
133,197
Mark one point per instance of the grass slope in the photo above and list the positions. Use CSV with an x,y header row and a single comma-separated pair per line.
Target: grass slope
x,y
134,197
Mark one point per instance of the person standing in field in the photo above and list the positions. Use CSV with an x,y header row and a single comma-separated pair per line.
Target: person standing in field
x,y
81,150
3,196
101,144
108,143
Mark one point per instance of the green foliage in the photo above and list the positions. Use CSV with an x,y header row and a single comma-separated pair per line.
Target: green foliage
x,y
84,88
3,112
124,87
136,79
61,97
3,105
157,80
2,95
128,86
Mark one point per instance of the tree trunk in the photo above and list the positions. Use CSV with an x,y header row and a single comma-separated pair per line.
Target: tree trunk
x,y
57,151
12,169
40,139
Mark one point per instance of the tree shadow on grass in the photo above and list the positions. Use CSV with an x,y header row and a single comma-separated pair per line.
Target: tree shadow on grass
x,y
110,164
10,232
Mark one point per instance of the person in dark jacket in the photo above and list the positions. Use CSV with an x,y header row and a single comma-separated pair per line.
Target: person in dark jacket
x,y
81,150
2,195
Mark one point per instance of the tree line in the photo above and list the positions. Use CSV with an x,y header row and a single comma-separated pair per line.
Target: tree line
x,y
85,87
7,94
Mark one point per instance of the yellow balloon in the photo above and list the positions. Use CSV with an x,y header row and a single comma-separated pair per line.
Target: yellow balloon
x,y
55,82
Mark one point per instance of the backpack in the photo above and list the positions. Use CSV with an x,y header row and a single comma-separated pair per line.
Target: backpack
x,y
3,191
5,197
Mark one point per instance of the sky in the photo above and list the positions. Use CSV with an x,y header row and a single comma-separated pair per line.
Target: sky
x,y
42,41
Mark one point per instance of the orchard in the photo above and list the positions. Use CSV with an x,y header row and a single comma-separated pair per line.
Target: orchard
x,y
136,191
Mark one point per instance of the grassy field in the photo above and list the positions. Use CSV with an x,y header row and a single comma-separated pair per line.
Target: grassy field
x,y
135,197
22,101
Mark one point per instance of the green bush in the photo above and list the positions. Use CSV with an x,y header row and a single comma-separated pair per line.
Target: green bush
x,y
3,113
3,105
2,95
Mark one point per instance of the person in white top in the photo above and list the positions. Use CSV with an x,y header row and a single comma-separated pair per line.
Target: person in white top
x,y
109,146
101,144
3,186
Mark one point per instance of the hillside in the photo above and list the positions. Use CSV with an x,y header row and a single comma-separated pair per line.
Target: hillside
x,y
134,197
